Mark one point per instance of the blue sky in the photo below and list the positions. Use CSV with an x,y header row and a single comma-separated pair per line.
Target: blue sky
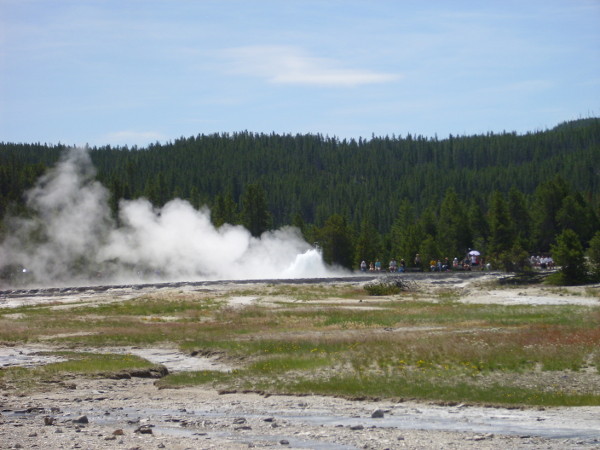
x,y
134,72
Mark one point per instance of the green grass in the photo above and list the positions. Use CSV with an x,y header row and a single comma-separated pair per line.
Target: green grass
x,y
77,363
91,363
428,388
408,347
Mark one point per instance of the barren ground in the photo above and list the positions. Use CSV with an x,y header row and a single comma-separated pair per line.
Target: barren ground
x,y
134,413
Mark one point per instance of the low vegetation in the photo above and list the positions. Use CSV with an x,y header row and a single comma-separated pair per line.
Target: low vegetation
x,y
334,340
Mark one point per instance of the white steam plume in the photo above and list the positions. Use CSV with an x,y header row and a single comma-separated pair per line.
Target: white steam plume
x,y
70,237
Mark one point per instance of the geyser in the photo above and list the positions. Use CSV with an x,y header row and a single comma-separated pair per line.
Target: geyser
x,y
70,237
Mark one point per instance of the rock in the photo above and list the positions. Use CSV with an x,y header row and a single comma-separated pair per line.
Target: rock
x,y
284,442
144,429
119,376
478,437
81,419
153,372
357,427
378,414
239,421
48,420
118,432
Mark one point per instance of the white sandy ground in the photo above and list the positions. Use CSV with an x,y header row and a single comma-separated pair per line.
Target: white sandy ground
x,y
196,418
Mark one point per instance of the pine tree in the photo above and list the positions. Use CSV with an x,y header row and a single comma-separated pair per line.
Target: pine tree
x,y
502,234
594,255
568,254
519,214
453,232
368,244
336,240
548,201
255,213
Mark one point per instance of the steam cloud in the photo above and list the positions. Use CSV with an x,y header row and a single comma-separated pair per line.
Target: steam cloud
x,y
71,237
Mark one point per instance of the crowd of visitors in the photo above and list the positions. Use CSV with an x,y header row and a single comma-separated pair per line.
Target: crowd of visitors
x,y
541,262
472,261
439,265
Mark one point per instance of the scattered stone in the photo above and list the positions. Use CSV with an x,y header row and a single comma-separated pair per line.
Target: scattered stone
x,y
144,429
118,432
239,421
284,442
478,437
159,371
357,427
48,420
378,414
81,419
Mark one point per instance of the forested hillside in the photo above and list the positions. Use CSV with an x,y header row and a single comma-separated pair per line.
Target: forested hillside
x,y
372,198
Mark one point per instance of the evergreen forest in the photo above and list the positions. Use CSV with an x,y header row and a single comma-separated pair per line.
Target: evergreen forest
x,y
507,195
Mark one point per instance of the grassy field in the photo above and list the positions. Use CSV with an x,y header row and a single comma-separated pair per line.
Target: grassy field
x,y
333,340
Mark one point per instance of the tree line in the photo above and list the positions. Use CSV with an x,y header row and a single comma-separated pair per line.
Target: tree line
x,y
505,194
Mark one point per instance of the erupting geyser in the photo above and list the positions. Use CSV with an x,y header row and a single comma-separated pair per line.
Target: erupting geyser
x,y
70,237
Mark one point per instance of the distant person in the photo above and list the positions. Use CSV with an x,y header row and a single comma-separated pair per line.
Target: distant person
x,y
402,266
378,266
363,266
393,265
418,260
474,261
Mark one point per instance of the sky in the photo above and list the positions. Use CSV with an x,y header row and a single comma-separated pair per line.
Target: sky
x,y
133,72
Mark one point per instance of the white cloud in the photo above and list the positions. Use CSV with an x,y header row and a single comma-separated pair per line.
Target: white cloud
x,y
129,137
290,65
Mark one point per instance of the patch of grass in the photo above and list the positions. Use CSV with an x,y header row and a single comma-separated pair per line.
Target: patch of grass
x,y
592,292
425,388
286,363
448,296
83,364
430,347
153,306
183,379
92,363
